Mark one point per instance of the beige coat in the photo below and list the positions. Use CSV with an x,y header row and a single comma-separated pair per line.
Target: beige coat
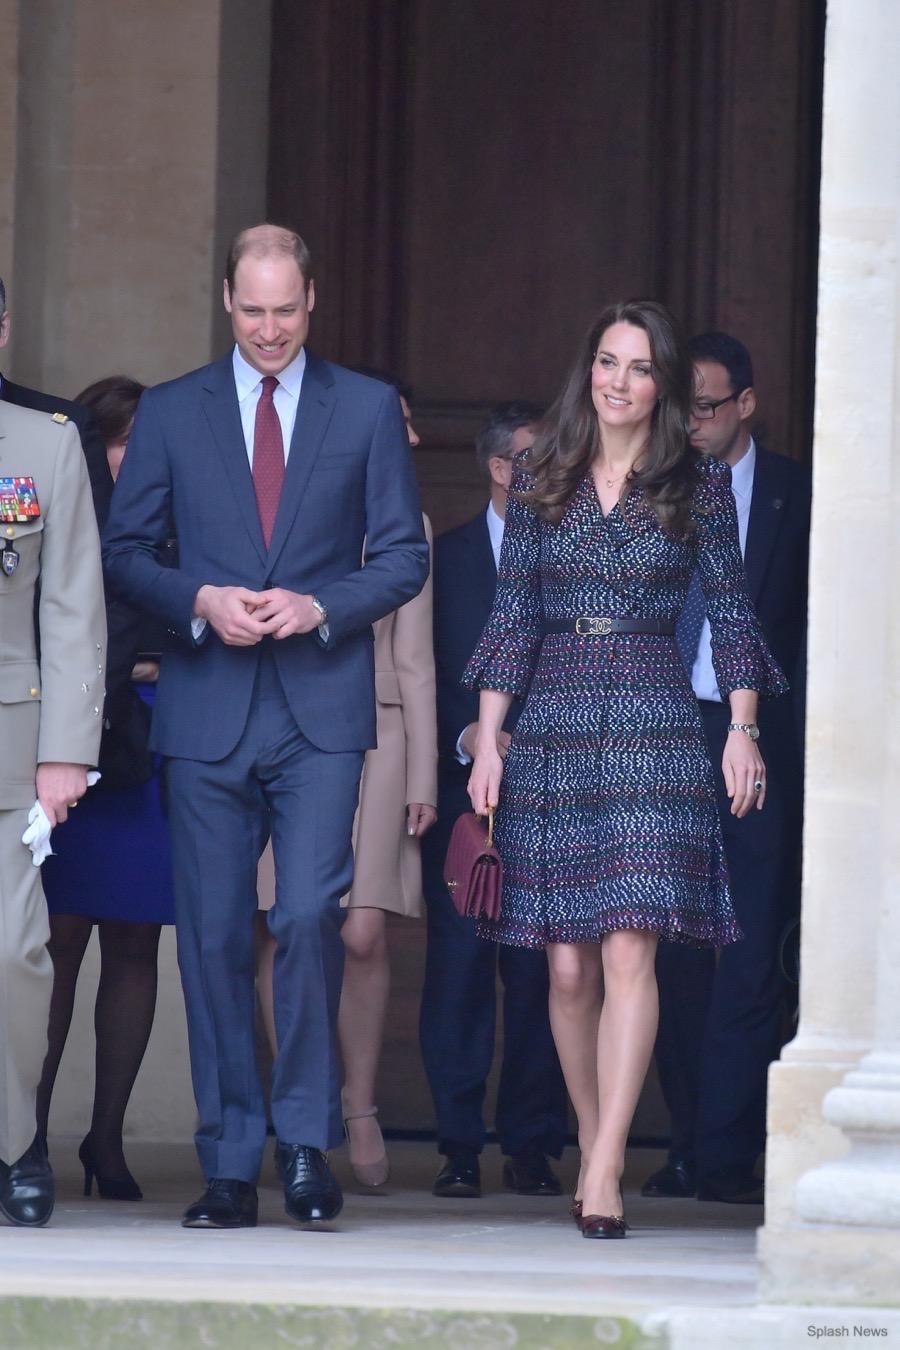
x,y
50,711
403,768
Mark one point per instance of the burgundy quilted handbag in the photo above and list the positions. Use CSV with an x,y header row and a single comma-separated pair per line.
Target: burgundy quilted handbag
x,y
473,870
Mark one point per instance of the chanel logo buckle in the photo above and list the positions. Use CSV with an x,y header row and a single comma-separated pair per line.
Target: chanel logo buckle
x,y
590,626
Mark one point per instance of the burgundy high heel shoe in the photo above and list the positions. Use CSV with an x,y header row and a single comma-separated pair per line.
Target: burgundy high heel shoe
x,y
110,1188
603,1226
576,1212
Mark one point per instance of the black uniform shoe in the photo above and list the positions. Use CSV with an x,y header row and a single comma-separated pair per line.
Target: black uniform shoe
x,y
529,1173
311,1190
26,1187
224,1204
732,1186
460,1177
674,1181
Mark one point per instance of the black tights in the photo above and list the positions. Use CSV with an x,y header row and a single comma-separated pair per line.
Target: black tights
x,y
123,1017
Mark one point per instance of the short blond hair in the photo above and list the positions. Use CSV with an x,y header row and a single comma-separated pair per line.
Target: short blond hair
x,y
267,241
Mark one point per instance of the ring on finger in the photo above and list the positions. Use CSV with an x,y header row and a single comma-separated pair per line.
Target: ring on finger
x,y
758,785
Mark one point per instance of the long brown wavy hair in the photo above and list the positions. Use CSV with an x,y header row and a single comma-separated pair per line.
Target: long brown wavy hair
x,y
568,439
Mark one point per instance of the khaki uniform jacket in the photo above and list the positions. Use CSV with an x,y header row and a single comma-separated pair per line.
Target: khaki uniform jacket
x,y
51,706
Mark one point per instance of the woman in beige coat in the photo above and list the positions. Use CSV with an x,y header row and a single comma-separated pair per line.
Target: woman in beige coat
x,y
397,801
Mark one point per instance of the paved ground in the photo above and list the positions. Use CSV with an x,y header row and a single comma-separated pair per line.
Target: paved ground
x,y
397,1271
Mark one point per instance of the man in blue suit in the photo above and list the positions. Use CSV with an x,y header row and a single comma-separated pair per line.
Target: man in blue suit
x,y
721,1021
275,467
459,995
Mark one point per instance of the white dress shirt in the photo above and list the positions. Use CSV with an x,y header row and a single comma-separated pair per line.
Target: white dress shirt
x,y
703,677
248,382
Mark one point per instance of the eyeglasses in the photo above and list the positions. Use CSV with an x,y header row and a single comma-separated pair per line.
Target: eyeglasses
x,y
707,408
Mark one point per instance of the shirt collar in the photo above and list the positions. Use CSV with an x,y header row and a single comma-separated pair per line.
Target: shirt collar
x,y
742,472
247,378
495,524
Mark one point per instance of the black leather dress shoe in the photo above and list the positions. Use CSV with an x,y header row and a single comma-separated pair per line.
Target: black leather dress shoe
x,y
529,1173
459,1178
674,1181
311,1190
26,1187
224,1204
732,1186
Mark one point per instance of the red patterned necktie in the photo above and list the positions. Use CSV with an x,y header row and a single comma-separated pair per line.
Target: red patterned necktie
x,y
268,457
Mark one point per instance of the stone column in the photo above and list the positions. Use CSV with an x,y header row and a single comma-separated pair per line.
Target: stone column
x,y
832,1230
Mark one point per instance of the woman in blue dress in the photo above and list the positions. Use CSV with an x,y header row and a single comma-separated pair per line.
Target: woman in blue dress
x,y
607,821
111,867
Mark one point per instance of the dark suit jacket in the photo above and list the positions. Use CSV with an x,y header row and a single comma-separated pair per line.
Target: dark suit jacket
x,y
465,580
776,561
349,478
88,430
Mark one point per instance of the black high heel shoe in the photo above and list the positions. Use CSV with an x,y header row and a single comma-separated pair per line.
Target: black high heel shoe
x,y
110,1188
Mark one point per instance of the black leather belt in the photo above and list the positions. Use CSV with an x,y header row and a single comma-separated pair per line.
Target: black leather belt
x,y
591,625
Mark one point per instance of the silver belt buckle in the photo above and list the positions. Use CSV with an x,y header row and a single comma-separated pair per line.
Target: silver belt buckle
x,y
590,626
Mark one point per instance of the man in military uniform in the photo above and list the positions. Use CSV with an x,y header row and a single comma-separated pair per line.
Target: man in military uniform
x,y
52,663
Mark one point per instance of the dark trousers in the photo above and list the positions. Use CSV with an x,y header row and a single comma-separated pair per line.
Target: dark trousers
x,y
721,1021
221,815
457,1026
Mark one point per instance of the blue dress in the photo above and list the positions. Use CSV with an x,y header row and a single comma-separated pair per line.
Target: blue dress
x,y
111,858
607,816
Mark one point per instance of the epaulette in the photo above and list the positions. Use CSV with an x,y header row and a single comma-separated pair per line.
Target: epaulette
x,y
61,418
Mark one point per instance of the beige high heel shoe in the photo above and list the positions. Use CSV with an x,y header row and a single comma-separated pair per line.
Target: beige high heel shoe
x,y
371,1175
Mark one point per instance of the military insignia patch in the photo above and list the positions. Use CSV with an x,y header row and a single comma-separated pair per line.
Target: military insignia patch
x,y
18,500
9,560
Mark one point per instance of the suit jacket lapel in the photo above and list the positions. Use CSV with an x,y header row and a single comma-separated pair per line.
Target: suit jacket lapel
x,y
219,399
317,400
485,570
767,507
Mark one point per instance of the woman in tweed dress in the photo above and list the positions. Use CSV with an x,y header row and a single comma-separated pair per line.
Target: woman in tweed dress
x,y
607,820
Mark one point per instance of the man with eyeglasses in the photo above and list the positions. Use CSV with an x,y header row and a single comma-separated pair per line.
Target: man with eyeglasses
x,y
722,1021
459,995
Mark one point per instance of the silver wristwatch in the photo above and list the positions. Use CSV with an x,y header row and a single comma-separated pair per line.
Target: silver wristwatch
x,y
317,604
751,728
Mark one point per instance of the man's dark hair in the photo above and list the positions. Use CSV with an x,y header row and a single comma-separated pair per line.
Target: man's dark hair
x,y
493,437
386,377
267,241
726,351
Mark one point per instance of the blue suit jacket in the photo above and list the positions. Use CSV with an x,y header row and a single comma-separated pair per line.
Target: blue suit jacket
x,y
349,479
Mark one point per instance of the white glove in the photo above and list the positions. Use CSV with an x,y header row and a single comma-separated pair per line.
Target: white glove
x,y
37,836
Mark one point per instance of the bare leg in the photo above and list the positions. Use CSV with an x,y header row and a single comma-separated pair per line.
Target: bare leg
x,y
123,1020
265,967
575,1002
625,1041
364,999
69,937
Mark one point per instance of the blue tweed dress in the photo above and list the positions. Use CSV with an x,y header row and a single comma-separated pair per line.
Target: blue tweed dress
x,y
607,817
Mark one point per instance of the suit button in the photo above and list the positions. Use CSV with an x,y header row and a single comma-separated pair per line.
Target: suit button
x,y
33,692
11,532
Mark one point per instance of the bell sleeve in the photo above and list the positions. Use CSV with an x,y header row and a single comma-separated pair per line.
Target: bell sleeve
x,y
740,656
507,650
